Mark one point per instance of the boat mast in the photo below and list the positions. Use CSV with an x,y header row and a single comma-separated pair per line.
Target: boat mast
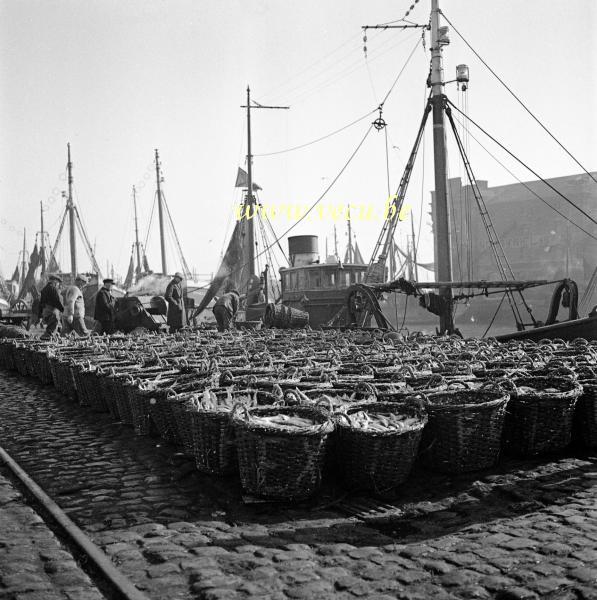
x,y
161,213
350,257
136,231
442,214
42,233
71,217
250,199
23,259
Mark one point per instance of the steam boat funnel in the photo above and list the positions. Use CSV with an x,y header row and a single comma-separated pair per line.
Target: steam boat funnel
x,y
303,250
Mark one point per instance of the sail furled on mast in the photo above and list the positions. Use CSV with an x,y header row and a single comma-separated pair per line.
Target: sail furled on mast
x,y
30,278
130,275
233,272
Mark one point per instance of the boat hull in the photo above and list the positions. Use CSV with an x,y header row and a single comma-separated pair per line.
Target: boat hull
x,y
567,330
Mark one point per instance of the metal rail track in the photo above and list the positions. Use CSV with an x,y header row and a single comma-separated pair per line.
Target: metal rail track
x,y
118,584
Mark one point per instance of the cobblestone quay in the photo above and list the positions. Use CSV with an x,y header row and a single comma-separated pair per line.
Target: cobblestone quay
x,y
523,530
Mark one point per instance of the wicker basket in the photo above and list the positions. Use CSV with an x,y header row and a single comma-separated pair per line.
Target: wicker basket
x,y
6,355
162,414
540,421
585,416
20,359
464,429
212,437
43,366
139,399
277,463
377,461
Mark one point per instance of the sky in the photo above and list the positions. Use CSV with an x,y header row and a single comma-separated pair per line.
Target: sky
x,y
119,79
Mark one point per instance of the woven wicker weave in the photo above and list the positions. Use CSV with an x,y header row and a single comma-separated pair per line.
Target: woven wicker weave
x,y
281,464
464,430
540,422
212,435
586,414
377,461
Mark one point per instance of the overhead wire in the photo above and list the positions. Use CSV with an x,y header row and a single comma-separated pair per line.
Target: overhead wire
x,y
581,210
528,110
346,72
320,139
527,187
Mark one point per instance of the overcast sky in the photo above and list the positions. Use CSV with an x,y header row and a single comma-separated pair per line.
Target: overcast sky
x,y
118,79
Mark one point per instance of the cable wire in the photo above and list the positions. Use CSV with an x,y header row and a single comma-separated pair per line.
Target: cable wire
x,y
325,137
553,137
524,164
525,185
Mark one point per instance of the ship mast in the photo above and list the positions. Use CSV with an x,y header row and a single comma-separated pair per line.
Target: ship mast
x,y
350,253
137,232
42,233
442,214
23,258
71,217
250,198
161,213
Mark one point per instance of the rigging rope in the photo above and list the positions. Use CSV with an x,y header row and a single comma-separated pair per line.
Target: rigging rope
x,y
304,216
533,192
553,137
325,137
525,165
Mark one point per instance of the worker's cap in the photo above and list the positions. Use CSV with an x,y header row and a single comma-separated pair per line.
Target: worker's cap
x,y
55,278
234,292
179,275
109,280
81,277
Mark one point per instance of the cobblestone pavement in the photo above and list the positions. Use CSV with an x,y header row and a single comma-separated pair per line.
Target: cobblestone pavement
x,y
524,530
33,563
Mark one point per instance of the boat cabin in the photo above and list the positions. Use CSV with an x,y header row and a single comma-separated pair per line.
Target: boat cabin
x,y
315,287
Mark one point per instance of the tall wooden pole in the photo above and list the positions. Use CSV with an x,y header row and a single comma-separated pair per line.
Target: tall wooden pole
x,y
350,253
71,218
250,199
43,244
23,258
161,213
137,245
442,213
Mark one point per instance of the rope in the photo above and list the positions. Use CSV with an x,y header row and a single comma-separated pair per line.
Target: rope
x,y
495,315
525,185
553,137
525,165
325,137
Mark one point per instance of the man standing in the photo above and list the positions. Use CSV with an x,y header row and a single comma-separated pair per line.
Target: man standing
x,y
225,310
74,308
50,306
175,299
105,312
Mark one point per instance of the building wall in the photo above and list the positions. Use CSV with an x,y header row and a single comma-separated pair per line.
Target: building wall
x,y
538,242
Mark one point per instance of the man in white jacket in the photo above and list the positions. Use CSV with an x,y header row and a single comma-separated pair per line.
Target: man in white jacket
x,y
74,308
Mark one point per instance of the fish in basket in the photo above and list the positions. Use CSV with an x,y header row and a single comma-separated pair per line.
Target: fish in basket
x,y
377,443
281,450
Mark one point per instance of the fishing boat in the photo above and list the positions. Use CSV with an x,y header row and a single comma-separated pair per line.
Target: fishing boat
x,y
364,295
353,294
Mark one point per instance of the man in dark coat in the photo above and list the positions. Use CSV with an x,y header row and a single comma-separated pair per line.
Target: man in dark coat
x,y
105,308
50,306
175,299
225,310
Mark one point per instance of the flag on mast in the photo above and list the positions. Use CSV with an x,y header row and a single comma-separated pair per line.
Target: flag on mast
x,y
242,180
